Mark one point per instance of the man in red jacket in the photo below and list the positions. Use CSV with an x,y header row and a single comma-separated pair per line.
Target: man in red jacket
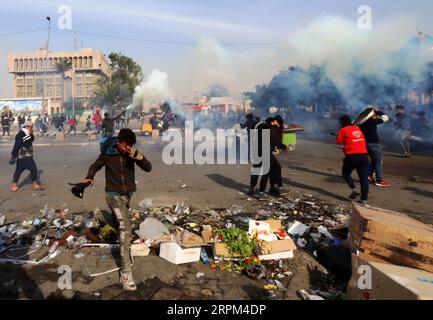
x,y
355,149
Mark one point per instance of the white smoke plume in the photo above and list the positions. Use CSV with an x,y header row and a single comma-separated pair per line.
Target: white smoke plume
x,y
153,89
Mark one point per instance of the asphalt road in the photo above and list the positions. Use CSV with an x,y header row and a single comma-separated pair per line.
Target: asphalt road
x,y
314,168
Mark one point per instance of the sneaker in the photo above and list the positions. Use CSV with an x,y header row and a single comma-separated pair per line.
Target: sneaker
x,y
362,202
354,195
383,184
371,179
275,192
262,196
127,281
251,192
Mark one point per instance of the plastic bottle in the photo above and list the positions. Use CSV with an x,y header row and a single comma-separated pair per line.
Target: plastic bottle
x,y
204,257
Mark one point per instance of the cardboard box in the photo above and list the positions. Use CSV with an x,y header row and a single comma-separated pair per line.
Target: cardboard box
x,y
389,237
276,256
140,250
220,250
176,254
207,235
272,250
389,282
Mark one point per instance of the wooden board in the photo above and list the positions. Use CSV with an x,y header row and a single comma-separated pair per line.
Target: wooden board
x,y
390,237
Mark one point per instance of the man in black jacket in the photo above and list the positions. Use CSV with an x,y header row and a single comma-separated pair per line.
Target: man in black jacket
x,y
22,154
119,157
6,121
368,126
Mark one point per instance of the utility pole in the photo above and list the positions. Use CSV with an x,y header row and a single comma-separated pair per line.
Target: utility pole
x,y
46,63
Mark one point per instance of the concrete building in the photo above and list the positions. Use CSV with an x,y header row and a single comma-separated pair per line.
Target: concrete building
x,y
28,71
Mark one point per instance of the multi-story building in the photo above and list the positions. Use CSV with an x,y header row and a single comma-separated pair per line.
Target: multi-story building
x,y
30,72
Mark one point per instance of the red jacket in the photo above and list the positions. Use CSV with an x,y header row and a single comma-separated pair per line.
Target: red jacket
x,y
353,140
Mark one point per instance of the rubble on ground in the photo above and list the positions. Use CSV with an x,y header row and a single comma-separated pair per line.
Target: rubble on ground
x,y
311,224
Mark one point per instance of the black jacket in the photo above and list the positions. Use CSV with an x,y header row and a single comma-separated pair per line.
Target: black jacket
x,y
23,147
119,172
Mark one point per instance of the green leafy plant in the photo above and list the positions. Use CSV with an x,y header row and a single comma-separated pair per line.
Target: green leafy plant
x,y
237,241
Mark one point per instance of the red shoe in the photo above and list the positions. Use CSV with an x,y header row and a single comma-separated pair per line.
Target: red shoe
x,y
371,179
383,184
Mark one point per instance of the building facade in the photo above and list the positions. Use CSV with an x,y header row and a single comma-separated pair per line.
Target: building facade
x,y
28,72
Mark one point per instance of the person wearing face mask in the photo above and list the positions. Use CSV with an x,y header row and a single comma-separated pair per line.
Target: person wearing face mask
x,y
119,157
22,155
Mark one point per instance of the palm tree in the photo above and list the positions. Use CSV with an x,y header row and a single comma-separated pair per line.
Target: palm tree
x,y
62,66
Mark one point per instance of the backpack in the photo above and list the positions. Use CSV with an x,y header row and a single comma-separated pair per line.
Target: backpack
x,y
108,146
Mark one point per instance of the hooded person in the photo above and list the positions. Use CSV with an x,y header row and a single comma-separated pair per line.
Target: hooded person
x,y
119,157
368,121
22,155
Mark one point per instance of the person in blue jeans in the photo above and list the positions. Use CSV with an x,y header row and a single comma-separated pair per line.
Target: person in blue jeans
x,y
368,126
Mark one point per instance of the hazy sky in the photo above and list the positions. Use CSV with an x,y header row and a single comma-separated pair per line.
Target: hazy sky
x,y
210,23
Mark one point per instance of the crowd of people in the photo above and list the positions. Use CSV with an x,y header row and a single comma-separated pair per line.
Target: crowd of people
x,y
363,153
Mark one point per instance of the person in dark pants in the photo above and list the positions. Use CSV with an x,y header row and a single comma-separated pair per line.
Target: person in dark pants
x,y
249,125
274,173
355,149
277,131
368,127
22,154
119,157
109,122
6,121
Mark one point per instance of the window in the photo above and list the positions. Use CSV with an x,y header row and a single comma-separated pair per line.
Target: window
x,y
75,62
20,91
49,90
79,91
90,62
26,64
85,62
50,63
80,62
40,64
31,64
20,67
58,91
16,65
29,90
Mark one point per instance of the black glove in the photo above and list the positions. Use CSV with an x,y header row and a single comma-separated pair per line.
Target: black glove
x,y
78,189
12,161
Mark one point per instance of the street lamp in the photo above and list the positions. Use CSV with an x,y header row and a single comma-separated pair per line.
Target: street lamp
x,y
46,62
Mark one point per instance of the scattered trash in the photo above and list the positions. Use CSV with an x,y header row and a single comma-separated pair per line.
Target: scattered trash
x,y
199,275
2,219
146,203
153,229
306,296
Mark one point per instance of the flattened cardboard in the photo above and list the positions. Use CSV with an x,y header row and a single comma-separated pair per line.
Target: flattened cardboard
x,y
390,282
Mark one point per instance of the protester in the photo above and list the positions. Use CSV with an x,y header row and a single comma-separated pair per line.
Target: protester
x,y
153,121
119,157
108,124
403,126
72,125
368,127
22,155
88,124
355,149
21,120
249,125
6,121
274,174
97,119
